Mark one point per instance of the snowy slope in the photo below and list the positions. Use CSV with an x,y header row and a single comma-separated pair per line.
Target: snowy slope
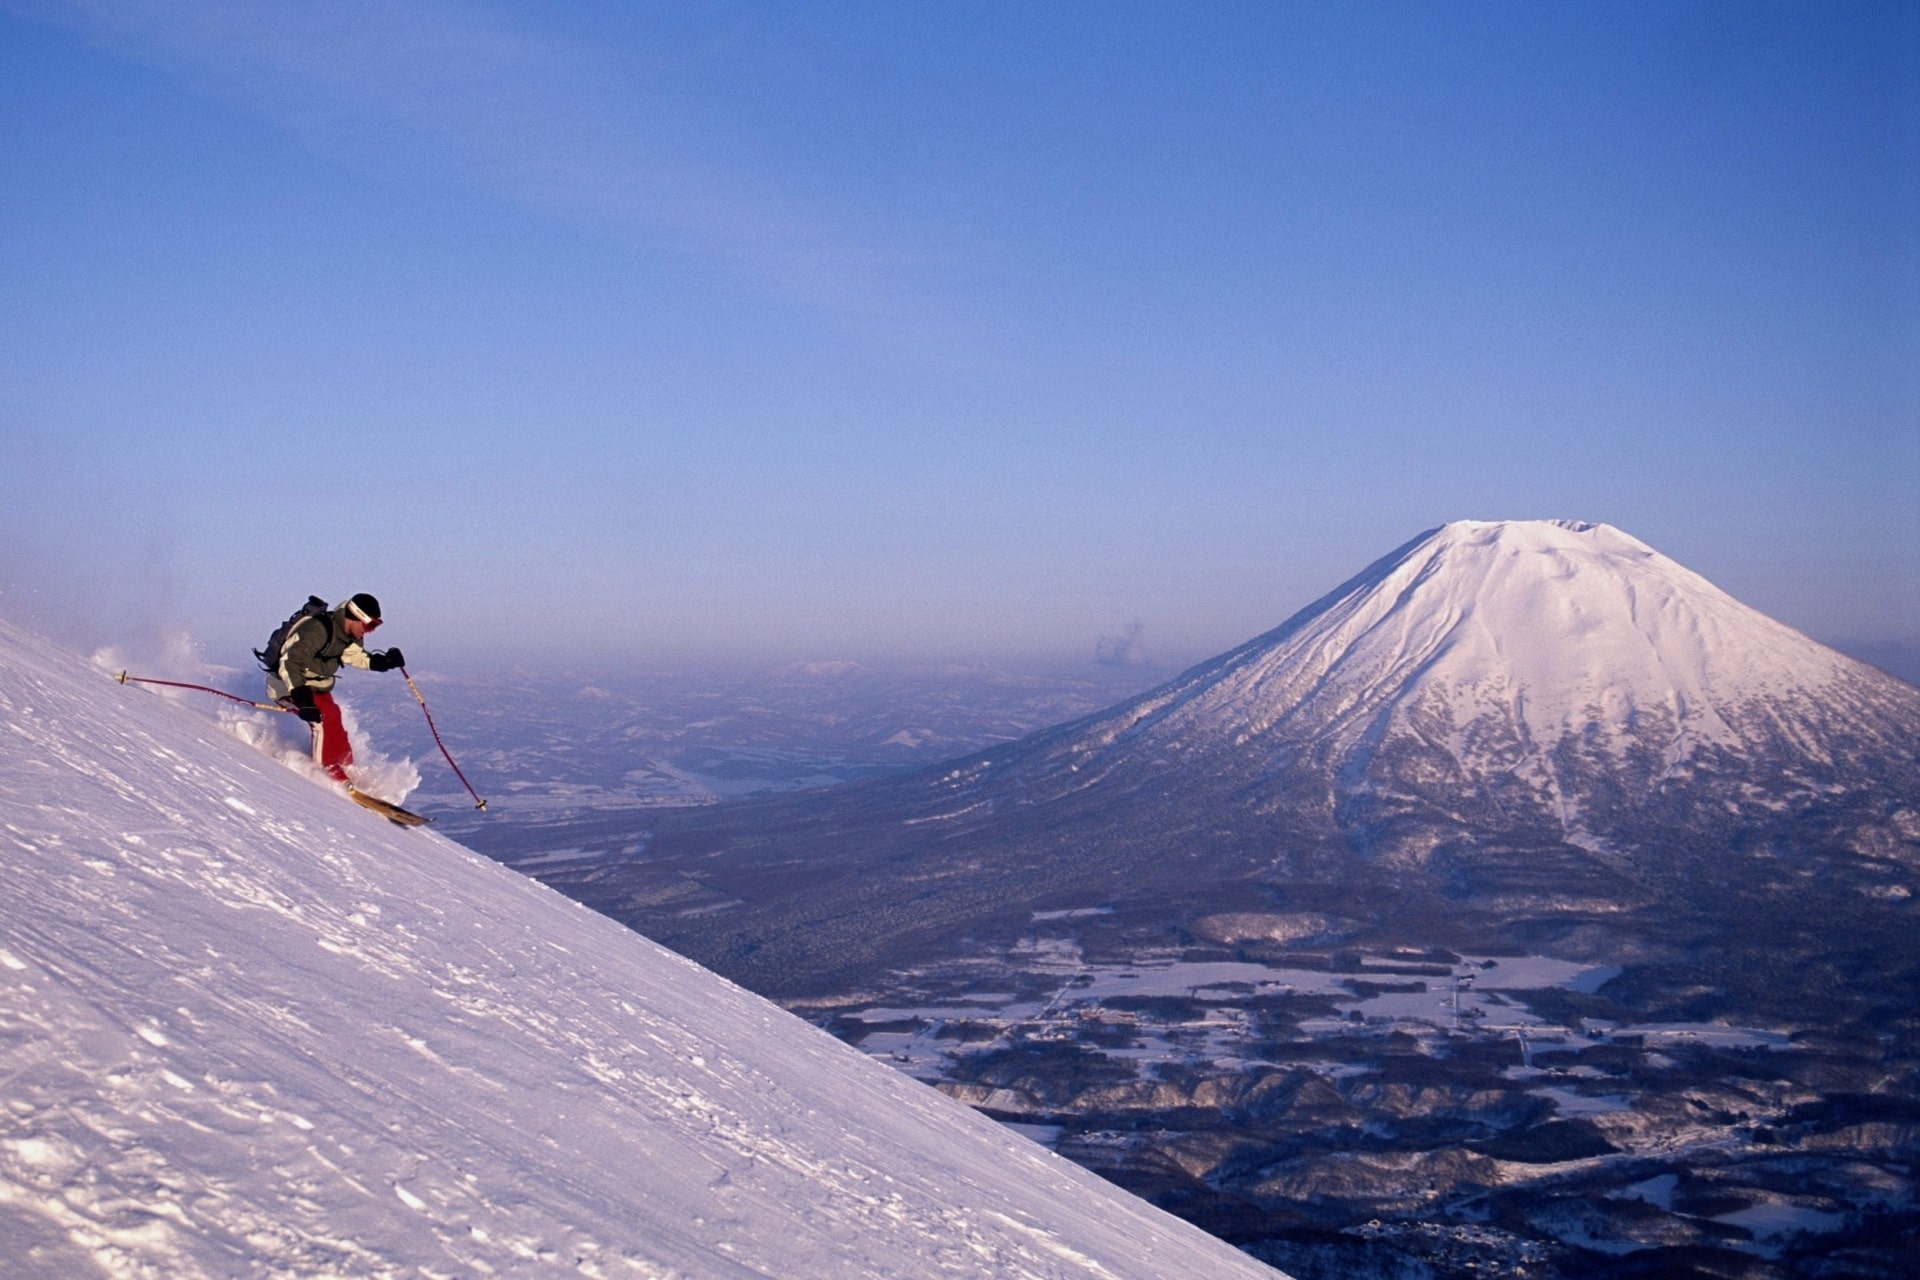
x,y
249,1030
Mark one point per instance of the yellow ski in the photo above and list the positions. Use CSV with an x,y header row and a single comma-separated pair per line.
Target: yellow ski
x,y
391,812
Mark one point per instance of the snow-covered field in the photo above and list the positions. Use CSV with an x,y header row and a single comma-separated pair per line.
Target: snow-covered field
x,y
247,1029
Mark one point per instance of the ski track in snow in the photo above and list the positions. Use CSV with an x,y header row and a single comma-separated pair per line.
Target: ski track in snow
x,y
249,1030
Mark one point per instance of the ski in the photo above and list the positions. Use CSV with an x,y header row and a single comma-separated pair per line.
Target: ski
x,y
391,812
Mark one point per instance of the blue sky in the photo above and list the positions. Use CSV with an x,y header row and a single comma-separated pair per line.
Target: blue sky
x,y
970,330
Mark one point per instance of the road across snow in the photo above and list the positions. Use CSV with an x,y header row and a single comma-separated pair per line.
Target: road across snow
x,y
247,1029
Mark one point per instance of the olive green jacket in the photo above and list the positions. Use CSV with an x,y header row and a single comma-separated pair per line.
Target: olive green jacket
x,y
313,654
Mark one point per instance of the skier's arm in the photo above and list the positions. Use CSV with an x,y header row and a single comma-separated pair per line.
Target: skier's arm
x,y
355,656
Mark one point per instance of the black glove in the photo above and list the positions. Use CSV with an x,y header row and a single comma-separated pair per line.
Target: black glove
x,y
302,700
389,660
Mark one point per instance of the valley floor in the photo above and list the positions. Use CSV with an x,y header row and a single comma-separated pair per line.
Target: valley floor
x,y
1356,1113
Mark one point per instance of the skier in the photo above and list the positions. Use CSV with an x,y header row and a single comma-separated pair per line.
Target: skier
x,y
315,646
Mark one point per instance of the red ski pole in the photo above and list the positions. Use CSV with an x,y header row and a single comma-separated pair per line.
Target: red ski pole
x,y
478,803
124,678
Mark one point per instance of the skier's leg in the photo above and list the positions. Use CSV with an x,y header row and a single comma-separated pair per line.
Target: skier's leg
x,y
331,750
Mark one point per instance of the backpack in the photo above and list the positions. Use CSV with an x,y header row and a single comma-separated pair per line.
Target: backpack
x,y
269,657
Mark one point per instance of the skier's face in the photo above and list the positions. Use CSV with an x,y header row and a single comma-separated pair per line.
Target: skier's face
x,y
358,630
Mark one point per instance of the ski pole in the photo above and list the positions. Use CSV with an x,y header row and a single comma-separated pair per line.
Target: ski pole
x,y
124,678
478,803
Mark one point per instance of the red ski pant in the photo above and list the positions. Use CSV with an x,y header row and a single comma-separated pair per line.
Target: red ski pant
x,y
331,750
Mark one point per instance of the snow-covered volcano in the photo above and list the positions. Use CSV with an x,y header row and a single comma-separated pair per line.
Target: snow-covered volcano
x,y
1483,635
1524,720
247,1029
1560,666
